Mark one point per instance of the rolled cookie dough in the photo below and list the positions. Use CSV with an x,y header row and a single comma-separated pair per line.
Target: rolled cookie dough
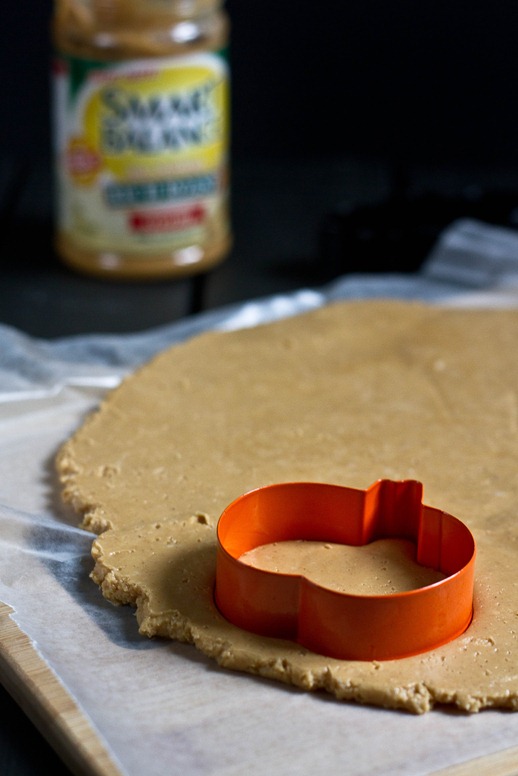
x,y
382,567
347,394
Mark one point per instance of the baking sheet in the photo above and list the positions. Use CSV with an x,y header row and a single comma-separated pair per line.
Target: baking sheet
x,y
160,707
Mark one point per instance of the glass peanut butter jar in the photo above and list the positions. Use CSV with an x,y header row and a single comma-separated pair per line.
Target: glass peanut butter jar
x,y
141,117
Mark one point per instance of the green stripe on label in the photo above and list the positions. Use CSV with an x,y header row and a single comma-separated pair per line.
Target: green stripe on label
x,y
124,195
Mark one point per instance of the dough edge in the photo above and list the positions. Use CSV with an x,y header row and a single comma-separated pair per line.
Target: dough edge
x,y
310,674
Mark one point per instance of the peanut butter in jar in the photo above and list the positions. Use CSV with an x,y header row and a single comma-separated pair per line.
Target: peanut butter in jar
x,y
141,136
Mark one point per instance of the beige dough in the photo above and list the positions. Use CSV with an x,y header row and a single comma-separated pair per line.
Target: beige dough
x,y
383,567
347,394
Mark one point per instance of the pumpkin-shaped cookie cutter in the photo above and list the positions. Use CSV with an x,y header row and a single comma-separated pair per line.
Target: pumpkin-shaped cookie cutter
x,y
332,623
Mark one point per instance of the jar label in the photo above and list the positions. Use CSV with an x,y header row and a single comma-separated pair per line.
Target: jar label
x,y
141,152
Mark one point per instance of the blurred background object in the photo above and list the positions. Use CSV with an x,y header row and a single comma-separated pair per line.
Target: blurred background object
x,y
429,83
141,135
355,126
347,122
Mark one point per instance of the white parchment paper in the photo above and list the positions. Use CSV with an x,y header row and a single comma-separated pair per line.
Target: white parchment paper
x,y
161,707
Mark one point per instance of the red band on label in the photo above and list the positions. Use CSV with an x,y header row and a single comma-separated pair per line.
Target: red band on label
x,y
166,220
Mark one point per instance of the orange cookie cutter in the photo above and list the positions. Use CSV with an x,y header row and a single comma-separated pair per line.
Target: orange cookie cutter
x,y
331,623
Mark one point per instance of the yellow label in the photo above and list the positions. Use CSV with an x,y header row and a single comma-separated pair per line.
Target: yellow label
x,y
142,152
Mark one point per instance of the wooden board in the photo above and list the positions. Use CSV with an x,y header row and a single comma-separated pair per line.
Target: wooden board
x,y
38,691
46,702
504,763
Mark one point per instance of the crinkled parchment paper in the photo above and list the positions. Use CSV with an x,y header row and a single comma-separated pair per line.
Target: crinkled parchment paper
x,y
162,707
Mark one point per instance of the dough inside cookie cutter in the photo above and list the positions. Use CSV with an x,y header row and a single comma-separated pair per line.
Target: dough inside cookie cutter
x,y
336,624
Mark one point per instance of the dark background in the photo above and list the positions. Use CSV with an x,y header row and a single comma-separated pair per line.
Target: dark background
x,y
335,106
433,81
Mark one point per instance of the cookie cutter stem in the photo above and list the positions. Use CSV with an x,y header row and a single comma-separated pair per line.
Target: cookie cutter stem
x,y
332,623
